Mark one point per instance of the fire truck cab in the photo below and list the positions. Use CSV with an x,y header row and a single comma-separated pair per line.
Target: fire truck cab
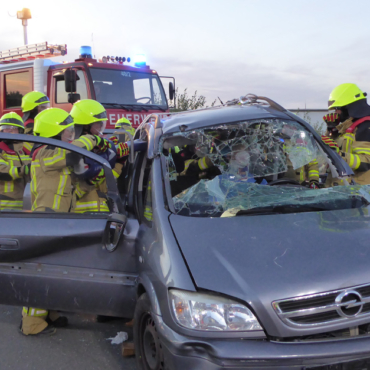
x,y
124,90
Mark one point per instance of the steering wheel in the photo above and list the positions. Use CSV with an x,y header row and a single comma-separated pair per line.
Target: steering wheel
x,y
285,181
145,97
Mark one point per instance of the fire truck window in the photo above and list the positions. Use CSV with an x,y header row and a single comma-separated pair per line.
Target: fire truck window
x,y
127,87
16,86
158,95
61,95
142,89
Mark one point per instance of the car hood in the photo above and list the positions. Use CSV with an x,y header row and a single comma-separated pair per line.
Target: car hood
x,y
264,258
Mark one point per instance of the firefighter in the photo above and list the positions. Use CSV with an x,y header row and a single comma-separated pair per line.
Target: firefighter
x,y
33,103
90,118
125,124
51,190
51,184
14,164
120,143
348,130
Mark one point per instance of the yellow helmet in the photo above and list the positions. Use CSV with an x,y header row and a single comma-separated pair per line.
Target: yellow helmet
x,y
12,119
344,95
33,99
125,124
52,122
87,111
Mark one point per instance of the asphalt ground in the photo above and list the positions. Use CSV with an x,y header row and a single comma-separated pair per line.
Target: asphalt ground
x,y
82,345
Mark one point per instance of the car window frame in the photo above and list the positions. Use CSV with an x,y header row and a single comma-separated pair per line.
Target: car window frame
x,y
112,192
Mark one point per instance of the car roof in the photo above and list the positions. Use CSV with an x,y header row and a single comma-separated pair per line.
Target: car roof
x,y
221,114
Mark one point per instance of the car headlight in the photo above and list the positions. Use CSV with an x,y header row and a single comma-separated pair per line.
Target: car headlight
x,y
212,313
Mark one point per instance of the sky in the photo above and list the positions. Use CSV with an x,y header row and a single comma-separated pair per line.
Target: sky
x,y
292,51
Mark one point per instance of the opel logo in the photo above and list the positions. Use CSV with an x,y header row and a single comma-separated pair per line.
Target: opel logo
x,y
349,303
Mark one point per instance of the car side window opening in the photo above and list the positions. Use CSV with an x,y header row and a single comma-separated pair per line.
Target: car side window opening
x,y
268,164
144,190
50,179
16,86
61,96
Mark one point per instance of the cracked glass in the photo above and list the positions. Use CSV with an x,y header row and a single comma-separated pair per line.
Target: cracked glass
x,y
268,165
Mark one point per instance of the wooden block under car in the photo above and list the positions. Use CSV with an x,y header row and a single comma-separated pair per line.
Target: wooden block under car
x,y
128,349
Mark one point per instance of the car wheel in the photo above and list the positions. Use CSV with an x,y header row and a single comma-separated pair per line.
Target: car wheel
x,y
148,347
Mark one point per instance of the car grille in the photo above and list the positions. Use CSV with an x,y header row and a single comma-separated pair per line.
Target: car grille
x,y
322,308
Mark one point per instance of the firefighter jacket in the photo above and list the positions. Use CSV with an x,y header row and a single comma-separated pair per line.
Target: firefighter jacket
x,y
51,184
308,172
28,130
13,175
28,126
92,198
354,144
89,198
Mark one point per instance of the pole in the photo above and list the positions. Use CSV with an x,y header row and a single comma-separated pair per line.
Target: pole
x,y
24,23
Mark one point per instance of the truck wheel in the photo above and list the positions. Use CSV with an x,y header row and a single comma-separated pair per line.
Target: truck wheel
x,y
148,347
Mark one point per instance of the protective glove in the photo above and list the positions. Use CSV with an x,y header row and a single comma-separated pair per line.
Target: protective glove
x,y
332,118
314,185
102,145
333,145
123,150
114,140
98,179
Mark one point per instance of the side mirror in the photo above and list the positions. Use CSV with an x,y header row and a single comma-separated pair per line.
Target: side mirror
x,y
73,98
171,91
70,78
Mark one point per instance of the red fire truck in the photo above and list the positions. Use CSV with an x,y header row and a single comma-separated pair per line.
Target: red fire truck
x,y
124,90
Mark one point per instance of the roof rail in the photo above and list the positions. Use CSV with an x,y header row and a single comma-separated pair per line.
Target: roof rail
x,y
33,51
254,99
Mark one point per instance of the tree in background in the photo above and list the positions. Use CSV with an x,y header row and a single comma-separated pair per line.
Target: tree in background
x,y
185,102
319,127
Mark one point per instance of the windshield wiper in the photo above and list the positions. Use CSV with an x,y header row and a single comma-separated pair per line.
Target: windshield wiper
x,y
127,106
288,208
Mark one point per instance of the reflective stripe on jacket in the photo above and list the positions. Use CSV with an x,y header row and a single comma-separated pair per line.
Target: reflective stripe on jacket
x,y
35,312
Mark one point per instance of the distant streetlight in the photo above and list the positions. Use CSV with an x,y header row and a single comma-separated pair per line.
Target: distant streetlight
x,y
24,14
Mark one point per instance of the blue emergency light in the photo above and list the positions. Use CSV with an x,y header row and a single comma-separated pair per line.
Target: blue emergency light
x,y
85,52
140,60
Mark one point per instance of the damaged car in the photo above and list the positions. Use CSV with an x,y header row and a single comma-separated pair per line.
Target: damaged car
x,y
216,243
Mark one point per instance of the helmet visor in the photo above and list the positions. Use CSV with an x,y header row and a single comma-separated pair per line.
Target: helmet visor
x,y
9,129
102,115
98,128
68,134
44,106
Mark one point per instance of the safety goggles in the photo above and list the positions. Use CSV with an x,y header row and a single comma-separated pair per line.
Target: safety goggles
x,y
9,129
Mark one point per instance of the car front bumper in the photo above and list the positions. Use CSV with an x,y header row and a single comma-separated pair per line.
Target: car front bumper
x,y
182,352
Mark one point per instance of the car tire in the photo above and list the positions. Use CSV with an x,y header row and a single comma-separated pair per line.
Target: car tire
x,y
148,346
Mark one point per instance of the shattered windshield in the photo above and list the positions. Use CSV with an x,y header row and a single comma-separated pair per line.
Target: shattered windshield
x,y
270,165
